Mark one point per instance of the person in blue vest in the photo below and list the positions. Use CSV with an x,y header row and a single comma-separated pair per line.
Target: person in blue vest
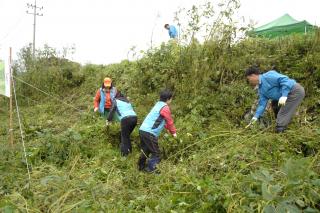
x,y
158,118
123,109
285,93
104,97
172,30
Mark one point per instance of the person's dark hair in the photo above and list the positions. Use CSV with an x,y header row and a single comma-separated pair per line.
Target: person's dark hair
x,y
252,70
166,25
120,96
165,95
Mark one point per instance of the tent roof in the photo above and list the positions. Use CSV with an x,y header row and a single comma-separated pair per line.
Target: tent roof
x,y
284,20
285,25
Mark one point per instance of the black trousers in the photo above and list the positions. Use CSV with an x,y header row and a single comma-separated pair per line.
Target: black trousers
x,y
127,126
149,145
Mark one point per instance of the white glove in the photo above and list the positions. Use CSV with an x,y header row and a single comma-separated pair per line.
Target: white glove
x,y
174,135
95,109
253,120
282,101
107,123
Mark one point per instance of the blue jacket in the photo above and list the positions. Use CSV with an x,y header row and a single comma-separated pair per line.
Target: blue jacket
x,y
113,93
123,108
154,122
272,85
172,31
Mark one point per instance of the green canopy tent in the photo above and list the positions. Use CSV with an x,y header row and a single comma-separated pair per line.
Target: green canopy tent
x,y
284,25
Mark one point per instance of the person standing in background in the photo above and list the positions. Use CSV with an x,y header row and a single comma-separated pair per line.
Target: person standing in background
x,y
171,30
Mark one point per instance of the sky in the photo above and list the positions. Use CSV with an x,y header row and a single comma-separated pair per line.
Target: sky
x,y
103,32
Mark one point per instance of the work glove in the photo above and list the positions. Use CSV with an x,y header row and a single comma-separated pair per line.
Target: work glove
x,y
253,120
282,101
95,109
174,135
107,123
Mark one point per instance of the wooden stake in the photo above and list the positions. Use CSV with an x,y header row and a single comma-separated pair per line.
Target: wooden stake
x,y
11,113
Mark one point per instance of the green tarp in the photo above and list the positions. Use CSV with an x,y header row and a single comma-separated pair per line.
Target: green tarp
x,y
2,79
284,25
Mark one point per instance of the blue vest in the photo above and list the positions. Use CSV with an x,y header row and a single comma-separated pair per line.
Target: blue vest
x,y
154,122
124,109
113,93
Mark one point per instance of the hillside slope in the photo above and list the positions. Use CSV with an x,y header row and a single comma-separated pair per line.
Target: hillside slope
x,y
215,165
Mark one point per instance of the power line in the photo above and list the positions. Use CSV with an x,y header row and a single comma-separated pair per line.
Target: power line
x,y
11,29
35,14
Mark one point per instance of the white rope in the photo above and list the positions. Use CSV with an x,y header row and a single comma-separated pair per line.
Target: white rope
x,y
20,126
55,97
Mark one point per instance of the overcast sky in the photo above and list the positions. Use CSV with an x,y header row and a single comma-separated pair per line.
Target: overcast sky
x,y
103,31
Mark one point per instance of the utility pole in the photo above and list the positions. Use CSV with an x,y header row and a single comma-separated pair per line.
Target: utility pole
x,y
154,26
34,7
11,88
